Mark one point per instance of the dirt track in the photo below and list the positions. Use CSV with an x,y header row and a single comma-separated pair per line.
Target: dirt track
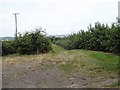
x,y
39,73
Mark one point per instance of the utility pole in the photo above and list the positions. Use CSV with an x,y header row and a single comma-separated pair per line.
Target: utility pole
x,y
15,24
119,12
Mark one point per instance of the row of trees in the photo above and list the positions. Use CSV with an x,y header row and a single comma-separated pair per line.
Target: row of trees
x,y
29,43
101,37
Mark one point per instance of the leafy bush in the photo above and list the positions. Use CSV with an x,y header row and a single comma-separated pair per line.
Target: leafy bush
x,y
101,37
30,43
8,47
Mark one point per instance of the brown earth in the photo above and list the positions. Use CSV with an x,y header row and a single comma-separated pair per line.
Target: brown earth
x,y
45,71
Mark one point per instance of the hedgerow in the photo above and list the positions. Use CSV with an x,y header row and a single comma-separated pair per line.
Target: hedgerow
x,y
33,42
101,37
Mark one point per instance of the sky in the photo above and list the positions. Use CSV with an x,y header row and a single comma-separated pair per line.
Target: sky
x,y
58,17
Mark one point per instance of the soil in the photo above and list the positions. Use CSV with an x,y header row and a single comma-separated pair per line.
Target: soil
x,y
34,73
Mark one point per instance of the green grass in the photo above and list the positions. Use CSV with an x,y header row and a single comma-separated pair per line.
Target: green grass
x,y
117,84
106,60
92,63
104,56
56,49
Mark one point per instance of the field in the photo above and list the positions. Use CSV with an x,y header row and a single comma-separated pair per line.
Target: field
x,y
61,68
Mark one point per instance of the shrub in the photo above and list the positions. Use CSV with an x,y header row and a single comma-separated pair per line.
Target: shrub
x,y
8,47
33,43
101,37
29,43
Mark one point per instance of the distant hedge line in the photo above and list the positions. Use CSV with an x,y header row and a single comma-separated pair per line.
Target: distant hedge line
x,y
29,43
101,37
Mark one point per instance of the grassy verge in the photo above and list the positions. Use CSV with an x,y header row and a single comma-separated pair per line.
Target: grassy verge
x,y
106,60
93,64
56,49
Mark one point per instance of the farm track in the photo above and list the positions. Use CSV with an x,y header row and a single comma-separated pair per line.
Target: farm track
x,y
65,69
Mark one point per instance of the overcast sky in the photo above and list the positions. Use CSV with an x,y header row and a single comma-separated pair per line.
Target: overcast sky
x,y
56,16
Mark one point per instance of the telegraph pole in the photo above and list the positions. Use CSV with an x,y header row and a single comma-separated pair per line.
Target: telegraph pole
x,y
119,12
15,24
